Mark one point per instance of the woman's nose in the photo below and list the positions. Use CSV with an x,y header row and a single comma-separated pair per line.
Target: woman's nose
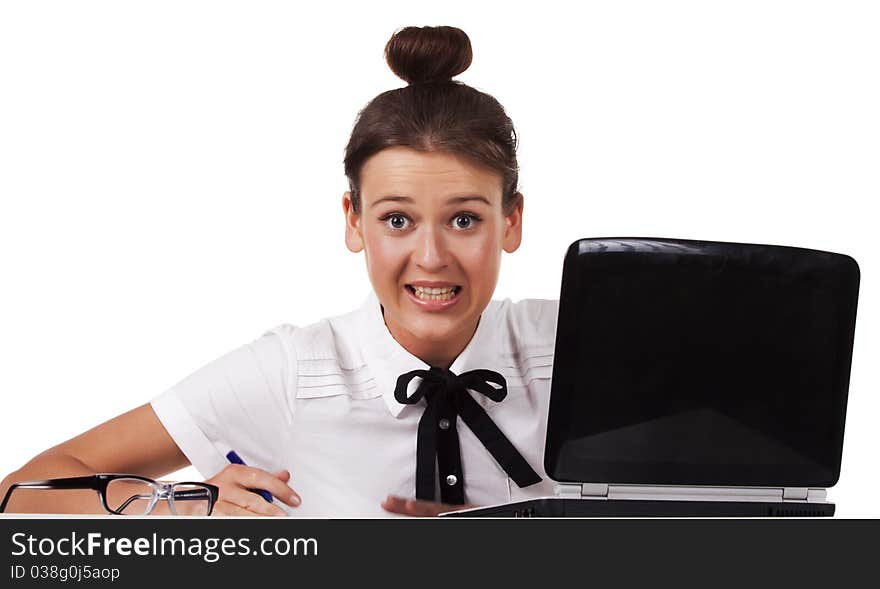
x,y
431,252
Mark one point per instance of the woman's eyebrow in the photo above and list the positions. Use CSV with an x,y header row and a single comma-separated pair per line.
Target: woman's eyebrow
x,y
461,199
453,200
392,199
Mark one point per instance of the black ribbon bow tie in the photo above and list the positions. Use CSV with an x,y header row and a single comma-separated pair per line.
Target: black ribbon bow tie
x,y
447,397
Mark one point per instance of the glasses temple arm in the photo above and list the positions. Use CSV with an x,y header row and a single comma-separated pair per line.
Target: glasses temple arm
x,y
85,482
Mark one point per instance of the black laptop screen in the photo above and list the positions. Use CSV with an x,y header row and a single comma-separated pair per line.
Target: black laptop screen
x,y
701,363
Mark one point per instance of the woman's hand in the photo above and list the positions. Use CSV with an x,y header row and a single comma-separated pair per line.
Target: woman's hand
x,y
418,507
235,498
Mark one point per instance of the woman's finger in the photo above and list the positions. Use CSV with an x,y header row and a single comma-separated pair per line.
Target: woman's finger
x,y
260,479
256,478
412,507
418,507
224,508
250,501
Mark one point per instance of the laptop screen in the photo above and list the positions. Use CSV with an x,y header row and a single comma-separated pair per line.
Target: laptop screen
x,y
701,363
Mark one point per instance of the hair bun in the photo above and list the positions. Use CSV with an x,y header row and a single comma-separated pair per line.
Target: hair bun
x,y
428,54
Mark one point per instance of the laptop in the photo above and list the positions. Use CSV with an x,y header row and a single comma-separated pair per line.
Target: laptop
x,y
696,378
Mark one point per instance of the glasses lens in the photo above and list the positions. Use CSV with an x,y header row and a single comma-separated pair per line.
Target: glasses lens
x,y
130,496
191,499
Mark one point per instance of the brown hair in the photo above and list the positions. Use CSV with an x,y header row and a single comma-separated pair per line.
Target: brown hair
x,y
434,112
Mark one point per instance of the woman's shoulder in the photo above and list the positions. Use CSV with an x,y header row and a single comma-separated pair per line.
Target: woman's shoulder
x,y
529,324
328,339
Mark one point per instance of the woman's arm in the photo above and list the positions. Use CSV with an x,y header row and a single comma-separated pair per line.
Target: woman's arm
x,y
134,442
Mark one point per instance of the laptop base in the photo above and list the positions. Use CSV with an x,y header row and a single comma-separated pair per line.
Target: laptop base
x,y
563,507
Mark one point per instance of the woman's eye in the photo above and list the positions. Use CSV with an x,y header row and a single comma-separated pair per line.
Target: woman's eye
x,y
465,221
396,222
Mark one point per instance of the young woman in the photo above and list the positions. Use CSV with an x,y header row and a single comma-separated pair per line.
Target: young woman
x,y
429,397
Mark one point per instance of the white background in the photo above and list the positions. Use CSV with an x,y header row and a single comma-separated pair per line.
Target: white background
x,y
171,172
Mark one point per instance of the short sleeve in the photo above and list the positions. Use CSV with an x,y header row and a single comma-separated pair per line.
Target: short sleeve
x,y
240,401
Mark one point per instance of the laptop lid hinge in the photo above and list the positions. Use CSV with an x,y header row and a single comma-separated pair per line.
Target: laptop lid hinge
x,y
795,493
579,490
804,494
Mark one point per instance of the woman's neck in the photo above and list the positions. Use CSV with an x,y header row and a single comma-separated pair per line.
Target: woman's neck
x,y
432,352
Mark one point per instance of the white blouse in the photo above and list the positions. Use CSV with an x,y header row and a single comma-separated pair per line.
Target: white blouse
x,y
319,402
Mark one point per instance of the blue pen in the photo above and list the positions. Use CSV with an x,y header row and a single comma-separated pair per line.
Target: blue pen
x,y
236,459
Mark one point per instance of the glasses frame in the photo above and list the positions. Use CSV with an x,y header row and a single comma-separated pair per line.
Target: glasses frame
x,y
99,483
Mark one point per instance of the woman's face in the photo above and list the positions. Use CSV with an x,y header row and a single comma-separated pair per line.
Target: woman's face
x,y
431,220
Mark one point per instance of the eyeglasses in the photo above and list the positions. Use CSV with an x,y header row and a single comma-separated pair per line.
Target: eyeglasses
x,y
126,494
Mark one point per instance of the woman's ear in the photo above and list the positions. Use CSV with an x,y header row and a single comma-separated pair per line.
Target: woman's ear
x,y
513,226
354,240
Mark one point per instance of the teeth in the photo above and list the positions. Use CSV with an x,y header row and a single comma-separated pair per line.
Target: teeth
x,y
434,294
435,291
